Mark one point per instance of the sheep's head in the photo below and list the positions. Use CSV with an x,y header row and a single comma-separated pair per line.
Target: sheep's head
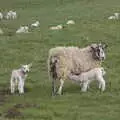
x,y
98,51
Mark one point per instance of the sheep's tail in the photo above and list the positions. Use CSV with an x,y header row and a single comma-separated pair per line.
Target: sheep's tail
x,y
52,61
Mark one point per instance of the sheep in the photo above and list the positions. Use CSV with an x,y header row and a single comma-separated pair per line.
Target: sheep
x,y
116,16
64,60
58,27
18,78
70,22
23,29
85,78
1,16
36,24
11,15
112,18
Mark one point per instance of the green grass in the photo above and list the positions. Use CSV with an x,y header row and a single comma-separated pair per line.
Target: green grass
x,y
91,26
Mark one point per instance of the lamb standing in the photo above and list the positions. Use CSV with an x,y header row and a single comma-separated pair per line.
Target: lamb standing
x,y
11,15
86,78
63,60
1,16
18,78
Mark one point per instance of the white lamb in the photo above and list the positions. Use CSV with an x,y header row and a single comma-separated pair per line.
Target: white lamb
x,y
1,16
58,27
11,15
70,22
23,29
36,24
85,78
18,78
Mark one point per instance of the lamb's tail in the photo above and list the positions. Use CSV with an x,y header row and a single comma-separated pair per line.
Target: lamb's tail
x,y
52,61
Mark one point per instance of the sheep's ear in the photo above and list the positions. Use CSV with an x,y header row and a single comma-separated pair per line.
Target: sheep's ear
x,y
93,47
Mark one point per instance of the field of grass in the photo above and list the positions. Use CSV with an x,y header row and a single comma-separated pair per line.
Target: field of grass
x,y
91,26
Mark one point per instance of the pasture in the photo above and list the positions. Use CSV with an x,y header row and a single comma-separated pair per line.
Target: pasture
x,y
92,25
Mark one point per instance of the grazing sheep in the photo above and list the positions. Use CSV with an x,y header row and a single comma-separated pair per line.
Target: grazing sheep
x,y
70,22
58,27
11,15
36,24
86,78
23,29
18,78
64,60
1,16
116,16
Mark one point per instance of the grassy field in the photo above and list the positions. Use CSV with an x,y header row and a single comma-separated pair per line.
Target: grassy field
x,y
91,26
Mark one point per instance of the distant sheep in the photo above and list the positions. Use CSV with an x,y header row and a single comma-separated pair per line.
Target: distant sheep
x,y
58,27
1,16
36,24
116,16
23,29
86,78
70,22
18,78
64,60
11,15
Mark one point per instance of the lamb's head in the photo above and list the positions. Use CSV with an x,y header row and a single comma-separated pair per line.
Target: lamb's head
x,y
26,68
98,51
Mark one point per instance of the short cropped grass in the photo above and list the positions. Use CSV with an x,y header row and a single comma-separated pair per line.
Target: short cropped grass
x,y
91,26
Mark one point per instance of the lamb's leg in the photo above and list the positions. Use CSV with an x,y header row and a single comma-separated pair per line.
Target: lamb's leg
x,y
21,86
12,85
61,86
102,83
84,87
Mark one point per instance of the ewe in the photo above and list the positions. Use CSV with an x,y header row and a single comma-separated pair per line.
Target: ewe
x,y
58,27
23,29
64,60
70,22
36,24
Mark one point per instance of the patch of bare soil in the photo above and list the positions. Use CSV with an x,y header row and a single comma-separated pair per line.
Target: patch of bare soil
x,y
15,112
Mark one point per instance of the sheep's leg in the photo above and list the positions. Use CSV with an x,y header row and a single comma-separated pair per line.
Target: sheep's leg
x,y
12,85
53,87
100,85
84,87
61,86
